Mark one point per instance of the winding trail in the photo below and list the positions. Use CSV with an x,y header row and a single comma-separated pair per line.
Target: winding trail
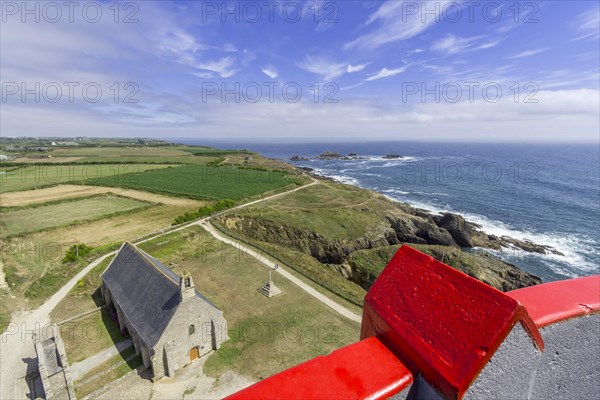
x,y
17,353
322,298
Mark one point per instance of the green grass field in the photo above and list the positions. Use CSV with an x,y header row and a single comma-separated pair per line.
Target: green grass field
x,y
332,210
126,151
202,182
34,219
37,176
88,335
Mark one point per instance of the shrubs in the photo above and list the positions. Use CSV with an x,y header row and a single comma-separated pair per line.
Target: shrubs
x,y
204,211
76,251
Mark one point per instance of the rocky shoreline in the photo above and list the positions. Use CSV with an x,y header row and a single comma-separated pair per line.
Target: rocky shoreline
x,y
331,155
460,232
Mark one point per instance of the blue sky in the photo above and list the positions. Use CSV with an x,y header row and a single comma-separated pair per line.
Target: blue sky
x,y
372,61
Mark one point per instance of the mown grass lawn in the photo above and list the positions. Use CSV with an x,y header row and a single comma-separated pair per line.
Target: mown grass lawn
x,y
89,335
33,219
203,181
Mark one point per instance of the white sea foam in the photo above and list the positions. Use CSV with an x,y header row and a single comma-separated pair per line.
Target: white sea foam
x,y
573,247
431,193
395,191
345,179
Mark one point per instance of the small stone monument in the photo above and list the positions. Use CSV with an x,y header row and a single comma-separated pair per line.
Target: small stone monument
x,y
269,289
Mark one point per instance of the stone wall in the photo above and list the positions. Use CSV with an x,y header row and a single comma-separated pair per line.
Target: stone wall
x,y
173,349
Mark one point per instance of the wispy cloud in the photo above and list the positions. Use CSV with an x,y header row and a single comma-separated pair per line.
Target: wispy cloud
x,y
355,68
395,24
182,47
528,53
223,66
384,73
270,71
325,68
587,24
451,44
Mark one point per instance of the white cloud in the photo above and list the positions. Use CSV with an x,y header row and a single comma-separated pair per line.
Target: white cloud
x,y
384,73
558,115
528,53
587,24
270,71
396,24
223,67
451,44
204,75
355,68
326,69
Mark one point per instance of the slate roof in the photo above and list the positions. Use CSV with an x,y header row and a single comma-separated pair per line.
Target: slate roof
x,y
146,290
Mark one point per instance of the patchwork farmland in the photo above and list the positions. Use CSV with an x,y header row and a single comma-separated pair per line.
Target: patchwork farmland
x,y
203,181
102,194
65,212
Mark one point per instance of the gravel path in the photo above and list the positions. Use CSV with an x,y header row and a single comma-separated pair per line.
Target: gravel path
x,y
81,368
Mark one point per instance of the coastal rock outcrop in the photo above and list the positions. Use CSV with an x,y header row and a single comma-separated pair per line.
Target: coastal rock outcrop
x,y
456,225
366,265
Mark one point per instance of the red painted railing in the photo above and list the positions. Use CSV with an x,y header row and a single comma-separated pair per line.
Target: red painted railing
x,y
363,370
424,317
558,301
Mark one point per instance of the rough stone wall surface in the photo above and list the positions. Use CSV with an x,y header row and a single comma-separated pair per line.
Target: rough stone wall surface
x,y
176,342
39,349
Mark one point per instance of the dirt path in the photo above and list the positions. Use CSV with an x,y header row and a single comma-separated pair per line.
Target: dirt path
x,y
17,352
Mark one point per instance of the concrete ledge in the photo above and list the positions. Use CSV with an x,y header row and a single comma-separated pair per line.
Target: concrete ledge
x,y
363,370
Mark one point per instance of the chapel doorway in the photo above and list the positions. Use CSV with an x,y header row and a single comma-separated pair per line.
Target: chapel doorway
x,y
194,353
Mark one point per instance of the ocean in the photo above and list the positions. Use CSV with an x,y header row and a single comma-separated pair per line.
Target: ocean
x,y
547,193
